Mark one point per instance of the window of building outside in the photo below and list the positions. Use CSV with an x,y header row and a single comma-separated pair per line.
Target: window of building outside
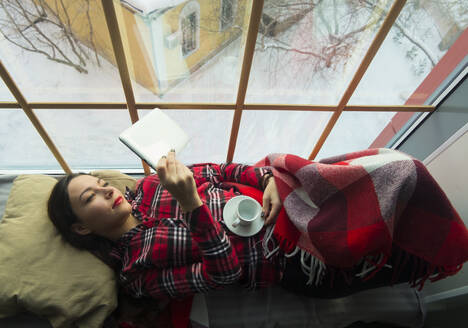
x,y
189,25
227,13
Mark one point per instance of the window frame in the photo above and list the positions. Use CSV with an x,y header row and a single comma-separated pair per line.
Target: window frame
x,y
237,107
192,7
222,26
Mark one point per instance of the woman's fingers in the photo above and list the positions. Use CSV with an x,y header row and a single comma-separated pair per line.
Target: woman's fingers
x,y
167,166
183,173
266,206
178,179
161,168
271,202
186,170
171,163
275,208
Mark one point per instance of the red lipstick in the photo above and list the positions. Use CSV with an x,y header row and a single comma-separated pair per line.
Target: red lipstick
x,y
117,201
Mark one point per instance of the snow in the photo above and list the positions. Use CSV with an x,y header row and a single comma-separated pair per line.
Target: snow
x,y
146,7
88,139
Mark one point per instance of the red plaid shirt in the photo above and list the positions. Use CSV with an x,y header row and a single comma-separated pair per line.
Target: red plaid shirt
x,y
174,254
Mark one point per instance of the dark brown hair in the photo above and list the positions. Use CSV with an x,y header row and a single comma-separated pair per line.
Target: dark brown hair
x,y
62,216
143,311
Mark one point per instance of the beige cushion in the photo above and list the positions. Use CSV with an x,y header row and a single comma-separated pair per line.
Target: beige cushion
x,y
43,274
116,179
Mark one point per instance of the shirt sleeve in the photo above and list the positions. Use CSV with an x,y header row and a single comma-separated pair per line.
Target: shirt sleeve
x,y
219,266
232,172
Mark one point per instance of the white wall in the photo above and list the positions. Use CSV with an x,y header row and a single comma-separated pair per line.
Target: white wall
x,y
449,167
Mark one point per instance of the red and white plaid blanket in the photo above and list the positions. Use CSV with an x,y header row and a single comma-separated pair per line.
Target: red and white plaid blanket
x,y
344,208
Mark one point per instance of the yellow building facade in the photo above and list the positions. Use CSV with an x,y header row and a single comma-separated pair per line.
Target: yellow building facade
x,y
163,44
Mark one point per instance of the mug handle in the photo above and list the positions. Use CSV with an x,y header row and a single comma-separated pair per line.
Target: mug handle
x,y
236,222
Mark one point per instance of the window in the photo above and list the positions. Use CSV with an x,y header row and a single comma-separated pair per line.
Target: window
x,y
190,25
309,87
227,14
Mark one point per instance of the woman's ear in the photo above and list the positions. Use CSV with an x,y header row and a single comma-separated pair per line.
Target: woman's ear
x,y
80,229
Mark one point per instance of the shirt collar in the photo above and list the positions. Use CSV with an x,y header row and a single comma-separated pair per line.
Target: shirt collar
x,y
129,194
122,243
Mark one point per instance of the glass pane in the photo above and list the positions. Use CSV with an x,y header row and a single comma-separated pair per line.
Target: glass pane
x,y
21,145
59,50
185,51
354,131
308,51
92,141
209,131
264,132
420,37
5,94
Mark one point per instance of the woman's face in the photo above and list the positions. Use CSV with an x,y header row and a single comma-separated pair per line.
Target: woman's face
x,y
100,208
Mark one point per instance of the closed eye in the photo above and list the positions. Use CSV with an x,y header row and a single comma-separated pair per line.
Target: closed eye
x,y
92,195
89,198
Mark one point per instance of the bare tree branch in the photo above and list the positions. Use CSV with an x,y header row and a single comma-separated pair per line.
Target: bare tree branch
x,y
34,26
38,30
417,43
91,34
420,45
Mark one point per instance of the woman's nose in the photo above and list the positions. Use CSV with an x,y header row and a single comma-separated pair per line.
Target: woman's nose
x,y
108,192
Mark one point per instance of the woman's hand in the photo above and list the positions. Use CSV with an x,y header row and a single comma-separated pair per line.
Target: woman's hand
x,y
179,181
271,202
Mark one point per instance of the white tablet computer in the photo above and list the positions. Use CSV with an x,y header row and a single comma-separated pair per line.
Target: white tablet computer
x,y
153,136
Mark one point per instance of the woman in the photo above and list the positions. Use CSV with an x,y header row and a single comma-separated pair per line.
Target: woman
x,y
169,240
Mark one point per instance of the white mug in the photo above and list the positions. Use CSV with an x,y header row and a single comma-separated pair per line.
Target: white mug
x,y
248,210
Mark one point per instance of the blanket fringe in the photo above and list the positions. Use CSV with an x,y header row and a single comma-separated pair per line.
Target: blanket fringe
x,y
268,243
285,244
294,252
313,268
421,270
441,272
372,265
